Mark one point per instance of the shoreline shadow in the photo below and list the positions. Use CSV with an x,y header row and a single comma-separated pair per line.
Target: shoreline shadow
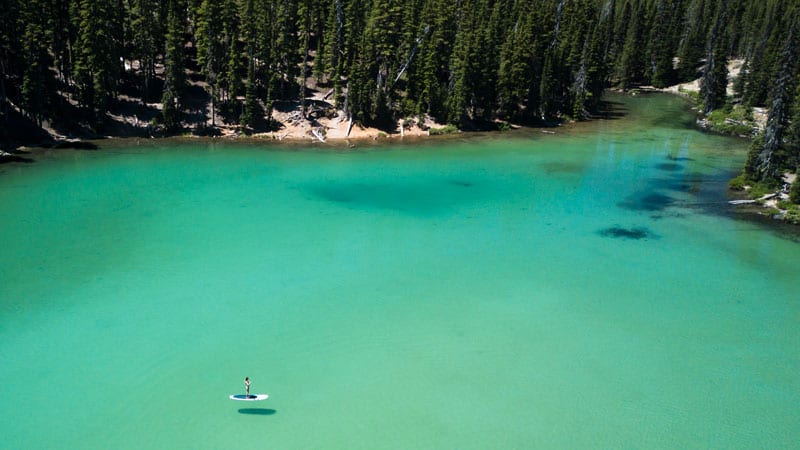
x,y
257,411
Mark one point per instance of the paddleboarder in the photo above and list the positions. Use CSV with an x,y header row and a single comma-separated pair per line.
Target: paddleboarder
x,y
247,387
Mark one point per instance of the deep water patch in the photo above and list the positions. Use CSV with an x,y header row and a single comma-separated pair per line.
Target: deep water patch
x,y
562,168
635,233
423,198
669,167
647,202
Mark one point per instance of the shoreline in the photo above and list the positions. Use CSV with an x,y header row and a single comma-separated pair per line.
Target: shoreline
x,y
332,132
24,153
292,129
293,140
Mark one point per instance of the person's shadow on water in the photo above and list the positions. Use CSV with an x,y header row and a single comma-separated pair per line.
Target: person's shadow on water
x,y
257,411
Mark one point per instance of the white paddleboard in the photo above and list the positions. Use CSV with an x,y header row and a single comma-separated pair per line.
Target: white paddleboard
x,y
249,398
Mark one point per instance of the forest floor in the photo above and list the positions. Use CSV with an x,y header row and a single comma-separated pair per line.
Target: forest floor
x,y
129,116
132,115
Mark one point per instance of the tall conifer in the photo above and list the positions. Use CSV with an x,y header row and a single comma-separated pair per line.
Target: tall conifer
x,y
714,85
764,160
147,36
174,65
97,60
35,79
212,43
632,63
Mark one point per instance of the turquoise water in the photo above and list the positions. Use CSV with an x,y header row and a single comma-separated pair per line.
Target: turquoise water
x,y
587,289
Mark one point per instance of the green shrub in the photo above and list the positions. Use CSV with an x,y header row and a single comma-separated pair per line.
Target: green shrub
x,y
738,183
736,120
793,215
794,193
759,190
692,94
447,129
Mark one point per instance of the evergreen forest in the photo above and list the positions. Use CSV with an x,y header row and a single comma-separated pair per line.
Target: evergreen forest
x,y
67,64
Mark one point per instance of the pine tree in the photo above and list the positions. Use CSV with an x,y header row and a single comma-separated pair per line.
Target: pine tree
x,y
765,159
263,57
632,64
661,46
764,59
285,44
432,72
304,29
693,42
598,60
516,58
97,60
35,78
490,27
605,45
458,87
584,60
331,59
249,31
550,89
372,83
549,100
9,51
234,67
212,43
174,65
148,40
63,35
793,134
714,85
794,193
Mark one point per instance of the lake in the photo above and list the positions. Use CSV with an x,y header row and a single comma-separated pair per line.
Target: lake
x,y
590,288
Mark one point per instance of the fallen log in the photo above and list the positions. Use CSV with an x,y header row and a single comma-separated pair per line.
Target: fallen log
x,y
318,135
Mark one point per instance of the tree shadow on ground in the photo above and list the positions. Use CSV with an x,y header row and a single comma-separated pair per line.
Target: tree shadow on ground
x,y
130,117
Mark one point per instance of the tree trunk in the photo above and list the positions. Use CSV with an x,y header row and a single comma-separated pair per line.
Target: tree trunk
x,y
303,89
213,107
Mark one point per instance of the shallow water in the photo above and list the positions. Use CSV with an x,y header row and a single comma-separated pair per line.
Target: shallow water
x,y
587,289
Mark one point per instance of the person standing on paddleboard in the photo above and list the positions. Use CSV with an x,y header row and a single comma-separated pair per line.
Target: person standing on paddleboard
x,y
247,387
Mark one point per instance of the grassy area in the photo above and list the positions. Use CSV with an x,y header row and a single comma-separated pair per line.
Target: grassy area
x,y
792,214
754,190
694,95
736,120
447,129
